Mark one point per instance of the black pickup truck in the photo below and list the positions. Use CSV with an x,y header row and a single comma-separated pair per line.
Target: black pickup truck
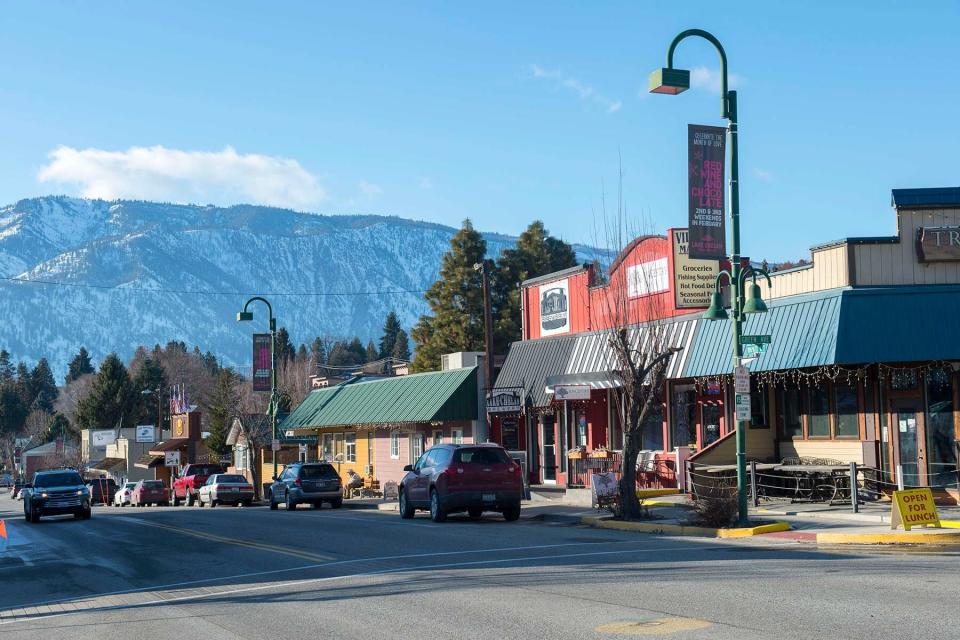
x,y
54,493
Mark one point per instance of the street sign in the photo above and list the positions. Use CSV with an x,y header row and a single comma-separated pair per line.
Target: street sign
x,y
171,459
572,391
742,406
753,350
755,339
275,445
741,379
146,433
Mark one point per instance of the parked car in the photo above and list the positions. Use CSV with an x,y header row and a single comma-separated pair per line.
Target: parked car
x,y
15,489
148,492
102,490
470,477
186,486
122,497
226,488
310,482
6,480
56,493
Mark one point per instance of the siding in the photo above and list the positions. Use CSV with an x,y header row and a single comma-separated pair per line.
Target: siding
x,y
896,263
844,451
759,447
828,271
387,469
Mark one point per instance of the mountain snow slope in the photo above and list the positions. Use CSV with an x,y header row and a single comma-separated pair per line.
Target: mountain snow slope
x,y
206,259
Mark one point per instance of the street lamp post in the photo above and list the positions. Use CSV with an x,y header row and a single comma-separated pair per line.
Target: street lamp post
x,y
672,81
156,392
273,408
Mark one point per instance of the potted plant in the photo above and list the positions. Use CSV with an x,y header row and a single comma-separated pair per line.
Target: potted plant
x,y
601,452
577,453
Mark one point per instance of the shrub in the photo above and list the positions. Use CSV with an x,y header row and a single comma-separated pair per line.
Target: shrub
x,y
715,506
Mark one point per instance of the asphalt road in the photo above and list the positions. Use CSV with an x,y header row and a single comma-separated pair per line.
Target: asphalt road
x,y
206,574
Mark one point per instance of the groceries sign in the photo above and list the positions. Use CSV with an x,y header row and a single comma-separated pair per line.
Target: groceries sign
x,y
693,280
706,154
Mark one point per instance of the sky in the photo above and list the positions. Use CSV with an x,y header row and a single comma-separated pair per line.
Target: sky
x,y
500,112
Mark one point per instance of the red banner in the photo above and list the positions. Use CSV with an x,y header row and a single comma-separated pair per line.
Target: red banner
x,y
706,148
261,362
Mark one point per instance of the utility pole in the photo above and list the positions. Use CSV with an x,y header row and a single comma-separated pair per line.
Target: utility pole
x,y
484,269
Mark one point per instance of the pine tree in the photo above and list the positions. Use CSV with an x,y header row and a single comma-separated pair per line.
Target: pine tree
x,y
319,351
222,406
150,376
536,253
113,397
6,367
43,387
341,355
12,409
285,349
401,347
455,321
302,352
79,366
372,354
356,348
390,329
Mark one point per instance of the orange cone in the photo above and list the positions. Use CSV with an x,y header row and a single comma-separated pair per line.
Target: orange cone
x,y
3,536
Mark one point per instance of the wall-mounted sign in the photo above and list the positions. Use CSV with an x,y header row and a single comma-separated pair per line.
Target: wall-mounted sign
x,y
693,280
572,392
261,361
647,278
504,400
179,426
171,459
102,438
938,244
509,434
146,433
706,156
554,308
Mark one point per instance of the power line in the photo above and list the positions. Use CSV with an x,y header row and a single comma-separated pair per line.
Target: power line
x,y
312,294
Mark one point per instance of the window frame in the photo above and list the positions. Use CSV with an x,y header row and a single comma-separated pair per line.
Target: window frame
x,y
456,436
350,446
437,437
394,445
835,413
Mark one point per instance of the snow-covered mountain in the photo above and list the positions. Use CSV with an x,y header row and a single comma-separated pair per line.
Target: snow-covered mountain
x,y
114,253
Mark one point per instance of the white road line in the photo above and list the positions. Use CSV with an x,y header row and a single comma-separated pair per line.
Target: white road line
x,y
349,576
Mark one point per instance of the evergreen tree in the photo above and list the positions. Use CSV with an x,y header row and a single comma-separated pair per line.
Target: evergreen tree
x,y
371,354
401,347
356,348
12,409
43,387
285,349
25,385
113,398
222,406
6,367
210,363
150,376
536,253
455,321
319,351
342,356
390,329
302,352
79,366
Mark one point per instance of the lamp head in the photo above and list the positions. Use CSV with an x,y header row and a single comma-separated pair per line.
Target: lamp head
x,y
245,316
716,310
669,81
754,303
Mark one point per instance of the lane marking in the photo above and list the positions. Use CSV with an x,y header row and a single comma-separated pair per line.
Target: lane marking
x,y
308,581
656,627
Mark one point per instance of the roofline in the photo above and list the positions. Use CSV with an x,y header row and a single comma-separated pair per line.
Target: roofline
x,y
856,240
556,274
683,317
929,198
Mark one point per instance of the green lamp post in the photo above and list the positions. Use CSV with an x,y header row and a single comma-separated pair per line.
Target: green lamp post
x,y
672,81
273,408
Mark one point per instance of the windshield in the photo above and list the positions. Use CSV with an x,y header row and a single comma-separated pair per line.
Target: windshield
x,y
314,471
204,469
130,485
227,479
67,478
153,484
486,455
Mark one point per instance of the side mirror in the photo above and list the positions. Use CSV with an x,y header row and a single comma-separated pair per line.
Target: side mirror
x,y
274,478
408,467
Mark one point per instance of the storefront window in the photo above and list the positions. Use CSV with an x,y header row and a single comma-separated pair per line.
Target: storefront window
x,y
350,447
652,431
684,416
581,428
710,419
845,403
884,428
788,403
941,450
394,444
759,411
818,413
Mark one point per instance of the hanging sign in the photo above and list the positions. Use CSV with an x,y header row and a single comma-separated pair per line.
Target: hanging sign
x,y
914,508
742,406
554,308
504,400
706,156
572,391
693,280
261,361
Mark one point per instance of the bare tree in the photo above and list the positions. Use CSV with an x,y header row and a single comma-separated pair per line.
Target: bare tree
x,y
293,380
36,425
70,396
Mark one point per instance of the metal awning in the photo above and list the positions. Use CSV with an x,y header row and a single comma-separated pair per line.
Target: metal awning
x,y
597,380
107,463
148,461
168,445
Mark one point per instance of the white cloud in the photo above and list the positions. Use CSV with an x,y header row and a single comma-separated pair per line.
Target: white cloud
x,y
426,183
709,79
762,174
369,189
159,173
580,89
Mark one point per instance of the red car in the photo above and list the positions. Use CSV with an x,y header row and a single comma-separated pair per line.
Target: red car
x,y
186,486
149,492
462,477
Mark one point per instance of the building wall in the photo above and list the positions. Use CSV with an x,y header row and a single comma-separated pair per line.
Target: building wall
x,y
387,469
829,270
842,450
897,263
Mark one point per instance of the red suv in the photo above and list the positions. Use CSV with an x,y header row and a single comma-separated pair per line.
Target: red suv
x,y
462,477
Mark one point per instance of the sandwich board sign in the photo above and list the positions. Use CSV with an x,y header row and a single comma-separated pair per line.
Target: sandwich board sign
x,y
914,508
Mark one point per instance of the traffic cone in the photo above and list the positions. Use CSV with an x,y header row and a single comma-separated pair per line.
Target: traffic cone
x,y
3,536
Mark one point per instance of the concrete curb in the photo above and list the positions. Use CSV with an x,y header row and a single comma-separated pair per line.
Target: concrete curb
x,y
654,493
898,538
683,530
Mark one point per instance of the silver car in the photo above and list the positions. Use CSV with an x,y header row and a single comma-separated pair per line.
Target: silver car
x,y
226,488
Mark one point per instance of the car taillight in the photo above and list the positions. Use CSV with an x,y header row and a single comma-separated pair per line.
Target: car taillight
x,y
297,482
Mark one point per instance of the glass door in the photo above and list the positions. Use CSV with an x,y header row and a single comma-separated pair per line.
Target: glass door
x,y
911,452
548,446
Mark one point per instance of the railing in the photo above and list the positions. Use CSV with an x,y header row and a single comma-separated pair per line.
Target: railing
x,y
651,472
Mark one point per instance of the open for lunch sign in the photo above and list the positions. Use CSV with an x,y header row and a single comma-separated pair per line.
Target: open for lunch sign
x,y
706,157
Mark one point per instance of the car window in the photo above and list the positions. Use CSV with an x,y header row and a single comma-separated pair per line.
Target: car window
x,y
154,484
205,469
287,474
229,478
318,472
67,478
485,455
211,480
423,462
130,485
441,457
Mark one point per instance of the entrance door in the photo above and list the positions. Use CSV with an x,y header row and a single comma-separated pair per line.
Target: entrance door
x,y
548,449
910,443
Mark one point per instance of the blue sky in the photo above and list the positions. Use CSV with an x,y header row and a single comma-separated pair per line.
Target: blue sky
x,y
503,112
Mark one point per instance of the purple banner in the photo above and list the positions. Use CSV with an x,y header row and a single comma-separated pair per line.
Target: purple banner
x,y
261,362
706,158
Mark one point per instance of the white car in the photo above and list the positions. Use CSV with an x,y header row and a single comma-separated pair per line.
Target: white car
x,y
122,497
226,488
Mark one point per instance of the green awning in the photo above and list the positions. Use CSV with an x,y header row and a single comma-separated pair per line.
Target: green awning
x,y
416,398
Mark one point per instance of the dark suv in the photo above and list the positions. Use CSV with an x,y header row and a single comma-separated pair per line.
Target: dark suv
x,y
54,493
462,477
312,482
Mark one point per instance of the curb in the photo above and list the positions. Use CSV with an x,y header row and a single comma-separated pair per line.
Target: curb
x,y
903,538
683,530
654,493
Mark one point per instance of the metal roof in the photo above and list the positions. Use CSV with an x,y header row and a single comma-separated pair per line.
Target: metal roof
x,y
922,198
420,397
529,362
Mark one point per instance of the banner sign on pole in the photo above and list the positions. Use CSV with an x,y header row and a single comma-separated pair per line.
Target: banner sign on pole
x,y
261,362
914,508
706,156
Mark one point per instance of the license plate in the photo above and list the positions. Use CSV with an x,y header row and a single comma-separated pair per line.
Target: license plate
x,y
234,489
489,497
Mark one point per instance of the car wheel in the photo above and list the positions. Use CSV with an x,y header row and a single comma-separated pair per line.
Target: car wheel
x,y
34,515
436,512
318,504
512,514
336,504
406,509
190,499
176,499
291,503
475,513
273,505
86,514
212,504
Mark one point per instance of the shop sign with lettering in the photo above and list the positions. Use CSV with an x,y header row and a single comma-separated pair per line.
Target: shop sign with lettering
x,y
693,280
938,244
914,508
